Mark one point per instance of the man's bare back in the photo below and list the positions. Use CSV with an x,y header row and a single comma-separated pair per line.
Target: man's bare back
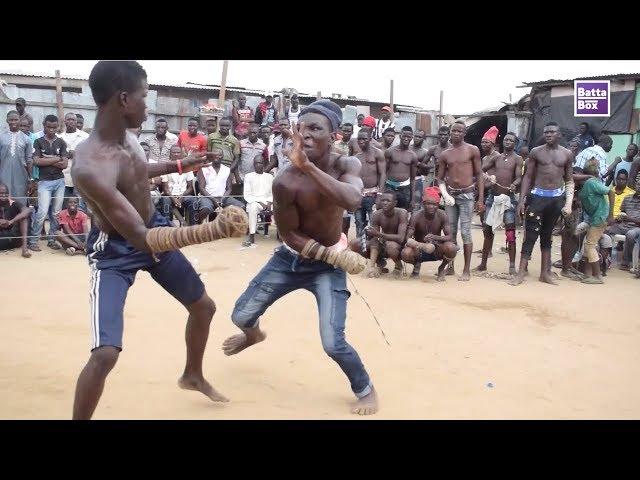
x,y
121,168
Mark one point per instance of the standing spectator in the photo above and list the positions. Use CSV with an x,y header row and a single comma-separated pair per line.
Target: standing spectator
x,y
620,164
257,194
265,135
21,103
80,122
50,154
342,146
382,124
190,140
599,212
160,143
279,158
14,222
211,125
585,138
242,116
294,110
215,185
24,128
226,142
74,228
72,137
356,128
599,152
15,158
249,148
266,113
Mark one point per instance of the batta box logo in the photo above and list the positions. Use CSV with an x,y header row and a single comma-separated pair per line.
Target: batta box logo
x,y
591,98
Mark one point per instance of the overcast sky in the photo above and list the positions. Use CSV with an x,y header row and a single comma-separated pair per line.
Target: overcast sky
x,y
469,85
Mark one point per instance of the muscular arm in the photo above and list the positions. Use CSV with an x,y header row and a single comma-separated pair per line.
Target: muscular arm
x,y
528,177
477,171
518,180
446,229
489,163
412,176
99,186
402,230
411,229
381,168
161,168
442,167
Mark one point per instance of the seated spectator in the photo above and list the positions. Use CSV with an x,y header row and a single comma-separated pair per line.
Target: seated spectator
x,y
627,223
257,194
429,235
597,209
180,187
14,222
74,228
621,191
386,236
215,187
190,140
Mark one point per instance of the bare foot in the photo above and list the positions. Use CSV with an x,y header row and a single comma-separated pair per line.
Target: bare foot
x,y
512,270
199,384
367,405
516,280
465,277
441,277
480,268
237,343
450,271
547,278
26,253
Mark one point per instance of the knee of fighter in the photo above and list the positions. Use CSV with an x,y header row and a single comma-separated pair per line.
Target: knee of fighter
x,y
241,319
333,346
103,359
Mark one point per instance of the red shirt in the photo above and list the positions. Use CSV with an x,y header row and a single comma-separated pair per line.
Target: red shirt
x,y
189,143
74,223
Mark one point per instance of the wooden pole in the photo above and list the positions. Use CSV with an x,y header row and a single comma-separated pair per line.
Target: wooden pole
x,y
59,102
319,95
440,116
223,85
391,99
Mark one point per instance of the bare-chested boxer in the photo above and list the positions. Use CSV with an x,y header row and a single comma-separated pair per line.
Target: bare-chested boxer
x,y
424,171
386,235
373,174
457,167
429,236
401,169
368,125
308,203
507,168
549,171
128,235
434,151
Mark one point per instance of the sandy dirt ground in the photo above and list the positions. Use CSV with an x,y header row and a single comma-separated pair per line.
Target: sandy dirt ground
x,y
477,350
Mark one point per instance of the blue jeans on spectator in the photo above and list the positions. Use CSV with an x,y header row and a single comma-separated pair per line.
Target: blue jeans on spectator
x,y
365,210
286,272
50,193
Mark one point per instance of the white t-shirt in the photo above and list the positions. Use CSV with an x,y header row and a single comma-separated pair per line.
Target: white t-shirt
x,y
72,140
178,182
216,182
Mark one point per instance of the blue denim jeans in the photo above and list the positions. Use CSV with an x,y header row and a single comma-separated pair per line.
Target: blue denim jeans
x,y
365,211
50,193
286,272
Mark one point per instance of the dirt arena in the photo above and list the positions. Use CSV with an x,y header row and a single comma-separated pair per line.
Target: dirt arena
x,y
477,350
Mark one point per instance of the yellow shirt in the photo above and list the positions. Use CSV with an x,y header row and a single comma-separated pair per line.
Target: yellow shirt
x,y
619,197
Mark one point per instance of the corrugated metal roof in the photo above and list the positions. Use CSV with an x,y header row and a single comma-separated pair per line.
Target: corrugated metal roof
x,y
41,75
612,76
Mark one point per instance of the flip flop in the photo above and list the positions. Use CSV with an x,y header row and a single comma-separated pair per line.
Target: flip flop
x,y
591,281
